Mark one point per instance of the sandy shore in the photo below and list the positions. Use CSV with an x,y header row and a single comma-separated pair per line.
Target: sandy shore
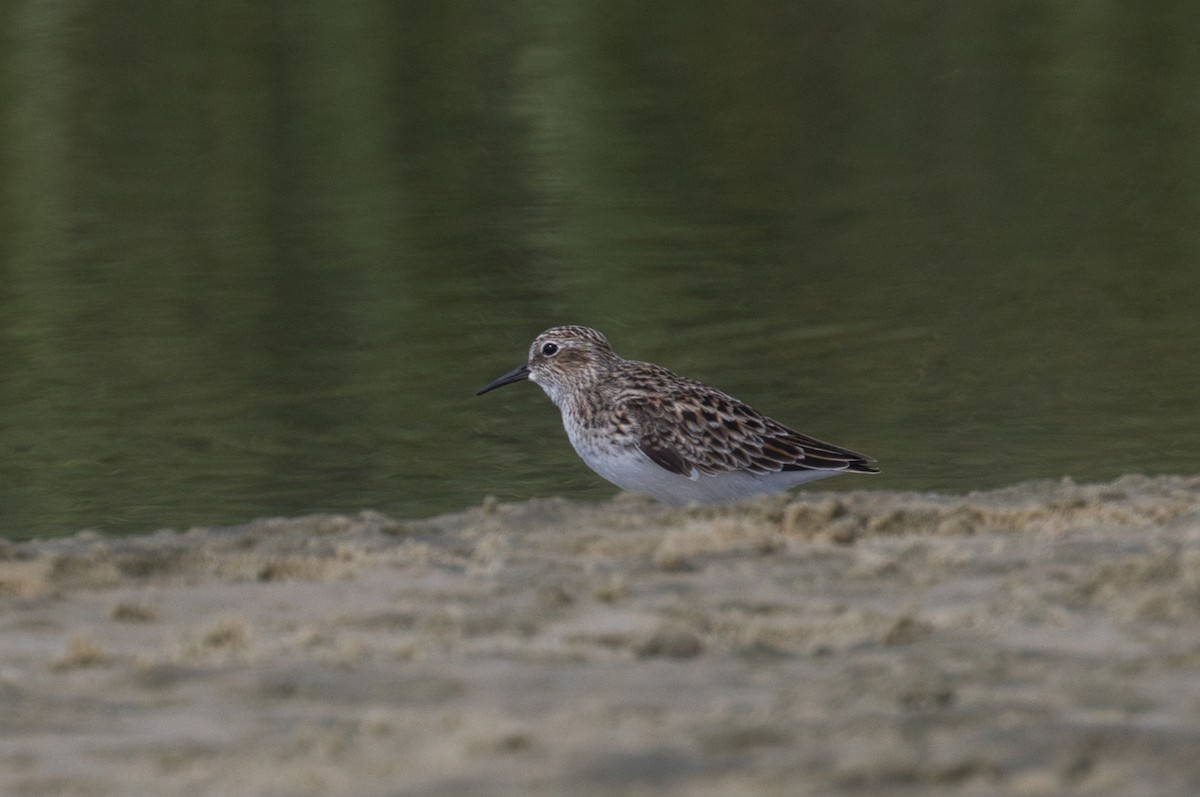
x,y
1038,640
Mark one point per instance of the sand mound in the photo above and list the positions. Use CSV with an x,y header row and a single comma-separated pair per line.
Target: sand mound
x,y
1041,639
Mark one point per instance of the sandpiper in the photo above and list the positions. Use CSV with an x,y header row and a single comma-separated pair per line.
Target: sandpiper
x,y
648,430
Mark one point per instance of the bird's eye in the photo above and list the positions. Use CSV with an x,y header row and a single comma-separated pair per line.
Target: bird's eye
x,y
549,349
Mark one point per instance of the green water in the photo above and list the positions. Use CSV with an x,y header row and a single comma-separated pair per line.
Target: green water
x,y
256,258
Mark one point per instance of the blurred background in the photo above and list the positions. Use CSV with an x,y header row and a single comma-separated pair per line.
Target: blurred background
x,y
255,258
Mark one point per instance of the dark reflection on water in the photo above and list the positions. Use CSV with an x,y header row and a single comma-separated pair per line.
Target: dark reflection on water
x,y
254,259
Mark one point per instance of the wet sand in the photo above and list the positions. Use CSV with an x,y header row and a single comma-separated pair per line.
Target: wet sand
x,y
1038,640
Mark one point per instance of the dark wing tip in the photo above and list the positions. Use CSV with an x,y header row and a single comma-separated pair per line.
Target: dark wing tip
x,y
814,454
825,463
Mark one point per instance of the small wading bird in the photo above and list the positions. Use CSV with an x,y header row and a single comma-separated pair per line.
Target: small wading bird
x,y
651,431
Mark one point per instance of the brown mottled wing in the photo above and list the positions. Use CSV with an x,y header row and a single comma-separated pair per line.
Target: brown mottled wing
x,y
701,430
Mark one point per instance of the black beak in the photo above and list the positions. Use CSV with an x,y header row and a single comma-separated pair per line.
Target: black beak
x,y
515,375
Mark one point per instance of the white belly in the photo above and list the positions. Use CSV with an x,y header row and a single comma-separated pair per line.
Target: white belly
x,y
632,470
